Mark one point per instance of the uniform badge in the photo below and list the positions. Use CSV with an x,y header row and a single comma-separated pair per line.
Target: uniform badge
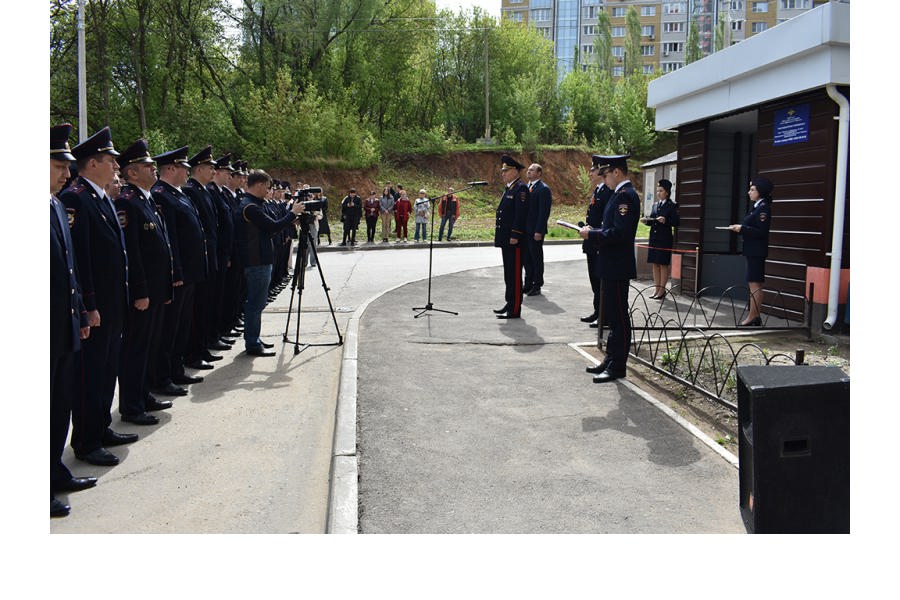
x,y
623,209
763,216
70,214
123,218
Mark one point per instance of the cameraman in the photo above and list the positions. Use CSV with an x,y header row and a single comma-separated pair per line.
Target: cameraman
x,y
254,235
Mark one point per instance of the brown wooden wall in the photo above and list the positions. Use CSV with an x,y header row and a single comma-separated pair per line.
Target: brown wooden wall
x,y
691,177
803,201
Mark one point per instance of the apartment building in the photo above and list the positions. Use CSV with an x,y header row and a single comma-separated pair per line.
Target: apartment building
x,y
573,26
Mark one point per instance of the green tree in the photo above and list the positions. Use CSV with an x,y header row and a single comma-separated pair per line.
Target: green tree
x,y
603,43
692,51
633,59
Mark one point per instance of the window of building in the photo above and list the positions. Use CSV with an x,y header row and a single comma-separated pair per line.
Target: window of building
x,y
516,1
737,4
587,49
618,71
789,4
760,7
648,30
618,51
648,50
668,67
590,12
618,11
518,16
648,11
589,30
544,31
758,27
673,27
618,32
540,14
648,69
674,8
737,25
669,47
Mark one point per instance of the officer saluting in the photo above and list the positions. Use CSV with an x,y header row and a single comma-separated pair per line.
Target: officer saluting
x,y
68,325
102,266
616,262
594,218
509,232
150,270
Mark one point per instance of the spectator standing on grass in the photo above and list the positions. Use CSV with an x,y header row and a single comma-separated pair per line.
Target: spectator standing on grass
x,y
371,207
421,210
448,209
402,208
387,202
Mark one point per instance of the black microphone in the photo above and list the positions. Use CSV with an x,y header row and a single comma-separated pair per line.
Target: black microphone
x,y
477,183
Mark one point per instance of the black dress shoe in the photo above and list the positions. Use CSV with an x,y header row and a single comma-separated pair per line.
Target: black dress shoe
x,y
211,358
509,316
535,291
151,404
590,318
171,389
754,323
594,325
198,364
608,375
186,379
502,310
114,438
58,508
259,352
597,369
227,341
218,345
141,419
74,484
267,345
101,457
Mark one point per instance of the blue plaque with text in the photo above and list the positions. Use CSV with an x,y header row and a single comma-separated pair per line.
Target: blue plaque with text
x,y
791,125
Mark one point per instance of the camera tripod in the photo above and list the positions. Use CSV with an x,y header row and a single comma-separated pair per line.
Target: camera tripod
x,y
428,305
298,282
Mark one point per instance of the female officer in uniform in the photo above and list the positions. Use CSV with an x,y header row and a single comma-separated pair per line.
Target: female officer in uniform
x,y
663,218
755,231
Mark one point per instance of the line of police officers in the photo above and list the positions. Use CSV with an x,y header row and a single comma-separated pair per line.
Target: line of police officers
x,y
141,286
609,232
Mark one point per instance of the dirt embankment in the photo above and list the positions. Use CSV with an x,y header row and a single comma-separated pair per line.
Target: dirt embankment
x,y
561,172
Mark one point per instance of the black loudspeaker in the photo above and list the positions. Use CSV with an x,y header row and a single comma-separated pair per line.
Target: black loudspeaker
x,y
794,449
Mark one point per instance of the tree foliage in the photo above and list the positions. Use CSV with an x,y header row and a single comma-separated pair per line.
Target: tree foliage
x,y
344,82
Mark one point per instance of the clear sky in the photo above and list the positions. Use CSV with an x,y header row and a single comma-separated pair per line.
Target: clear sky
x,y
491,6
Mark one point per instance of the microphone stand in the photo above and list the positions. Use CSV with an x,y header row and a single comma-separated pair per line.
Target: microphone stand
x,y
428,305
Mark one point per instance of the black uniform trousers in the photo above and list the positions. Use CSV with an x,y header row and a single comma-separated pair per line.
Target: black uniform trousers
x,y
62,395
534,262
140,346
615,311
198,339
596,286
232,296
512,277
100,355
176,331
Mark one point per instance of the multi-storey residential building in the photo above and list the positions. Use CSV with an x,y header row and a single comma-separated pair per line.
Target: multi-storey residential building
x,y
573,26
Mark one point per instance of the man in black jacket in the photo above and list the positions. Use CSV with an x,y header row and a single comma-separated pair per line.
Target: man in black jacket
x,y
254,235
540,199
594,219
68,325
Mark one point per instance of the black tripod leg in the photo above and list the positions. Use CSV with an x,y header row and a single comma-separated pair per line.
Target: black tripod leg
x,y
325,287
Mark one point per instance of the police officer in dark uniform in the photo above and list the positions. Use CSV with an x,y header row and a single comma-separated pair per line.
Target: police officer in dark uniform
x,y
189,267
224,249
594,219
509,232
102,265
234,284
616,263
68,325
150,270
755,232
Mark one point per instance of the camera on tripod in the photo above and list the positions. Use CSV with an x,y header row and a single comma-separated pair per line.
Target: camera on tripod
x,y
302,196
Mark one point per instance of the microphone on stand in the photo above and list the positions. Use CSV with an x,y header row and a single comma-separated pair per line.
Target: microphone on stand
x,y
477,183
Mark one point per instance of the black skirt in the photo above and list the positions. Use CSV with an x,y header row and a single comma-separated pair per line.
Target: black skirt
x,y
657,256
756,269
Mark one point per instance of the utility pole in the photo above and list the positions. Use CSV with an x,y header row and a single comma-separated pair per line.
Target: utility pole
x,y
487,94
82,78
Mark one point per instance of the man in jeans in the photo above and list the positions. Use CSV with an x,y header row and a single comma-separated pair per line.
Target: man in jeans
x,y
254,234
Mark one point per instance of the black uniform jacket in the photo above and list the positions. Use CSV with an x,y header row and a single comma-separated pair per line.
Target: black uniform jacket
x,y
185,233
594,216
661,235
203,202
755,230
511,214
67,314
616,235
100,257
149,252
225,220
540,199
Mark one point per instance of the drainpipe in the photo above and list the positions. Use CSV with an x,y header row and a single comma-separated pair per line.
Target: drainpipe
x,y
840,203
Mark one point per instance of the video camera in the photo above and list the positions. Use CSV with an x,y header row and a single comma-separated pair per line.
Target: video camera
x,y
310,205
